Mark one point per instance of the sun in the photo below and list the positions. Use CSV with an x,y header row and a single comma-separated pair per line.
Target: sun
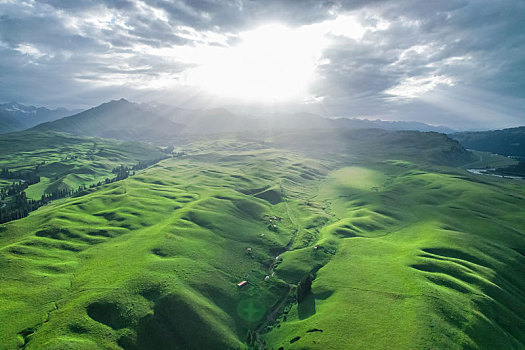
x,y
270,64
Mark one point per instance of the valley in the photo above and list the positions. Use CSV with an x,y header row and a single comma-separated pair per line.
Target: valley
x,y
385,240
262,175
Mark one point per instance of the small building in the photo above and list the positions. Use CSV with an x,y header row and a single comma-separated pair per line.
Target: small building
x,y
242,284
249,249
316,247
266,278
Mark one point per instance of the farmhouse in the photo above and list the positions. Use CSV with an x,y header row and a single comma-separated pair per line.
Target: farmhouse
x,y
242,284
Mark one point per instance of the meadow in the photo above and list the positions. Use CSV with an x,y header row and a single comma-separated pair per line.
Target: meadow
x,y
65,161
403,247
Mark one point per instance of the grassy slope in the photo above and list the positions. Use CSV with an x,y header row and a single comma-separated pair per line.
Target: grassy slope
x,y
424,260
71,161
148,260
489,160
413,255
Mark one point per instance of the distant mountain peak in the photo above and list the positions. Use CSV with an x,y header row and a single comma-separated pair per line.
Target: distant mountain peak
x,y
358,123
121,101
119,119
15,116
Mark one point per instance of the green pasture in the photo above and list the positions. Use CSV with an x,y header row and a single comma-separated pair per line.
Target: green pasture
x,y
66,161
408,251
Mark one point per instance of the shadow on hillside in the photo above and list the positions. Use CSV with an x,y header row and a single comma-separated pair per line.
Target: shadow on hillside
x,y
306,308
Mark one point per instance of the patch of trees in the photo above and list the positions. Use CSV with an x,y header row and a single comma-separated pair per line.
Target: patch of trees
x,y
18,206
513,170
146,163
123,171
25,175
25,179
15,188
20,209
168,150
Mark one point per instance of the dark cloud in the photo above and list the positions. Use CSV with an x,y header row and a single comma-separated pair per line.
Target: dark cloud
x,y
80,5
79,53
479,45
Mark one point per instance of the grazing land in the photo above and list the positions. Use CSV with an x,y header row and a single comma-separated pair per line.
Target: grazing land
x,y
38,167
346,241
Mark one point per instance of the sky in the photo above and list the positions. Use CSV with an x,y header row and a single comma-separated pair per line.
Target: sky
x,y
456,63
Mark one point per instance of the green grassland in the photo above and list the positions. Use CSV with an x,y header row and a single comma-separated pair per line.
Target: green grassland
x,y
424,260
408,250
65,161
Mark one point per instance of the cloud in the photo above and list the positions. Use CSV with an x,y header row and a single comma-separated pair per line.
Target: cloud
x,y
456,46
403,59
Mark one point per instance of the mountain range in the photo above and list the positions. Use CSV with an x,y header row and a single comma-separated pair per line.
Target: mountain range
x,y
116,119
355,123
16,117
122,119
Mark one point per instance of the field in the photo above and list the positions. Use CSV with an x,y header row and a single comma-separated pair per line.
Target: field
x,y
406,250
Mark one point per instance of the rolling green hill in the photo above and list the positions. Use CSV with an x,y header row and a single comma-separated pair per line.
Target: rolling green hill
x,y
402,249
65,161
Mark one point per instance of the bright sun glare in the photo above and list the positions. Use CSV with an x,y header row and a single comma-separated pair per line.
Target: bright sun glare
x,y
270,64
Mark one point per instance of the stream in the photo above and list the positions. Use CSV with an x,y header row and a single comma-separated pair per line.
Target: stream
x,y
488,173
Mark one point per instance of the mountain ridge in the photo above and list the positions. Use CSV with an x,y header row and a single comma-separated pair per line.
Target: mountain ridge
x,y
199,121
118,119
16,117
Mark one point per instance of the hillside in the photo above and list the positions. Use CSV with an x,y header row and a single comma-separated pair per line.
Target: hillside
x,y
64,162
377,144
354,123
401,249
221,120
508,142
116,119
8,123
213,121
